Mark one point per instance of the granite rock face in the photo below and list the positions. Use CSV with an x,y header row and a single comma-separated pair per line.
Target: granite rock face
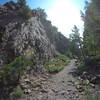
x,y
16,40
18,36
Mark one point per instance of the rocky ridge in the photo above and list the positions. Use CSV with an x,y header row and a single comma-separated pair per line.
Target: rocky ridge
x,y
18,36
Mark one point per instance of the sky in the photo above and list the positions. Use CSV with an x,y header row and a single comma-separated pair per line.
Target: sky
x,y
63,14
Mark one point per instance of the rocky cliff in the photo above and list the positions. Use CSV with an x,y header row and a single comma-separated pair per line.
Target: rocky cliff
x,y
18,36
35,38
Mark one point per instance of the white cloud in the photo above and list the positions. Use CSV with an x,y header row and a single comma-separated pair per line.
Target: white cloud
x,y
64,14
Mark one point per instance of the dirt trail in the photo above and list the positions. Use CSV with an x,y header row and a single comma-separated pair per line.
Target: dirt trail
x,y
62,86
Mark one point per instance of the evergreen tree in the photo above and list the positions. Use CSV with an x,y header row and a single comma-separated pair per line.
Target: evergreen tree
x,y
91,35
92,31
22,3
26,11
76,43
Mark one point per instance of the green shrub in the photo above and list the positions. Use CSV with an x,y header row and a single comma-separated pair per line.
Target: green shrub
x,y
12,71
18,65
57,64
89,95
54,69
18,92
63,58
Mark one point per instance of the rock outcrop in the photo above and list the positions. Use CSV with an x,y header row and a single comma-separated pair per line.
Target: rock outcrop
x,y
60,42
32,38
18,36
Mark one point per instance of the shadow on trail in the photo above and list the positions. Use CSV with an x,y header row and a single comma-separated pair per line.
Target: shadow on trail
x,y
74,72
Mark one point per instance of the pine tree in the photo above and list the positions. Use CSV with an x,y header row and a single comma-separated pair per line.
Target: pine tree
x,y
26,11
91,34
76,43
22,3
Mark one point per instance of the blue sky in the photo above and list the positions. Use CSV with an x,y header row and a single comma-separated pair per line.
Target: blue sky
x,y
63,13
46,4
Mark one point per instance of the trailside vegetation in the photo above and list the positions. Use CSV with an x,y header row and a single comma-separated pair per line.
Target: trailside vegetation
x,y
87,48
57,64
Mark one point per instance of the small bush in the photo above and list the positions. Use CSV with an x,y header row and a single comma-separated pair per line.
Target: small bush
x,y
12,71
18,92
54,69
56,64
18,65
63,58
89,95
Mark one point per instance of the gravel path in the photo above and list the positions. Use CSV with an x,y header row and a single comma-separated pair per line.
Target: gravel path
x,y
62,86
